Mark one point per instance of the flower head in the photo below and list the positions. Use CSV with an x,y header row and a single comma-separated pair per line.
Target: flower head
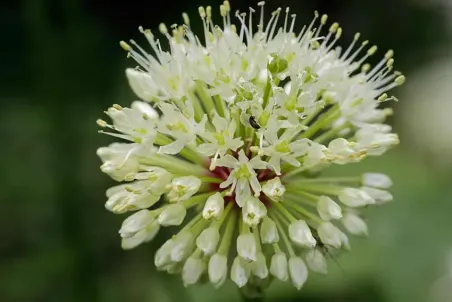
x,y
232,124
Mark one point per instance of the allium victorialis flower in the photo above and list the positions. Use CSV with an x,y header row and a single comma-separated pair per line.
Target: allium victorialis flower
x,y
230,127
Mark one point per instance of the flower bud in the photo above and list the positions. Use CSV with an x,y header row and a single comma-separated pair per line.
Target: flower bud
x,y
269,232
278,266
253,211
218,270
300,233
240,272
298,272
138,228
316,262
126,197
376,180
173,214
342,151
355,197
330,235
246,247
116,163
259,267
163,255
380,196
193,270
182,246
274,189
214,207
208,240
328,209
182,188
354,224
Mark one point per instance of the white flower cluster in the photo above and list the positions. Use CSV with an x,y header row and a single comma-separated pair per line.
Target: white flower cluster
x,y
232,125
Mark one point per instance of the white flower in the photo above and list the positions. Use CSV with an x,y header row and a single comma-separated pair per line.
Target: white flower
x,y
253,211
300,233
217,270
208,240
278,266
240,272
246,247
376,180
214,207
193,270
119,159
141,84
330,235
182,129
173,214
354,224
235,130
138,228
379,196
182,188
163,255
298,272
316,261
259,267
128,197
269,232
182,246
137,123
274,189
355,197
342,151
242,176
328,209
220,141
283,148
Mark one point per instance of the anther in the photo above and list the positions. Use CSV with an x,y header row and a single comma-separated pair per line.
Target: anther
x,y
390,63
323,19
125,46
209,12
400,80
202,12
101,123
117,107
227,6
389,54
186,18
338,33
365,68
163,29
383,97
372,50
334,27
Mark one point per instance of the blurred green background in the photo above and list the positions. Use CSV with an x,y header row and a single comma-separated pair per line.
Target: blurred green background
x,y
61,67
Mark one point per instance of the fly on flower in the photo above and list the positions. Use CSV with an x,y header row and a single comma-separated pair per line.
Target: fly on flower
x,y
255,193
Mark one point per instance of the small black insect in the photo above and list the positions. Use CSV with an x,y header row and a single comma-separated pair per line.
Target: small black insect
x,y
253,123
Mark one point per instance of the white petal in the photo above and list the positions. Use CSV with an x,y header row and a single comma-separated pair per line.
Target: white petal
x,y
328,209
300,233
354,224
316,261
246,247
298,272
208,240
192,270
278,266
376,180
240,273
217,270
